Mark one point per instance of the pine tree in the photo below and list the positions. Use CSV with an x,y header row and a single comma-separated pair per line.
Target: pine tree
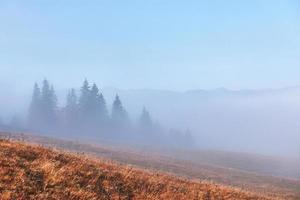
x,y
46,101
72,100
145,121
71,110
98,106
53,102
34,117
48,107
149,130
103,109
84,101
119,115
93,103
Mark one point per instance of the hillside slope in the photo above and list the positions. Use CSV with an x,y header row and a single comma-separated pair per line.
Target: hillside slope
x,y
272,186
33,172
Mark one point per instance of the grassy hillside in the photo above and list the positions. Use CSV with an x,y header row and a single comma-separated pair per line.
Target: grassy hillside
x,y
33,172
196,169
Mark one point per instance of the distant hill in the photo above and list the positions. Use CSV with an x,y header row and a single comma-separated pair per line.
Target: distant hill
x,y
33,172
259,121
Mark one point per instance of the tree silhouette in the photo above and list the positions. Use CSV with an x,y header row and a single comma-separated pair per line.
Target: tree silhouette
x,y
48,107
71,111
84,101
102,109
97,104
34,118
145,120
88,114
119,115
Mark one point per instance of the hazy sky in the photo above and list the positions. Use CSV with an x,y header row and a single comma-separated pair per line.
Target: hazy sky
x,y
162,44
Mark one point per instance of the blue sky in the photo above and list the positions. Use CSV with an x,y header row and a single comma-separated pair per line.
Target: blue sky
x,y
160,44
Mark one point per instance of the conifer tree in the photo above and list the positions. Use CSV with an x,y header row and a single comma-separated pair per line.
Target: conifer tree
x,y
48,107
84,101
103,109
93,103
98,106
147,128
71,110
145,121
119,115
53,98
72,100
34,117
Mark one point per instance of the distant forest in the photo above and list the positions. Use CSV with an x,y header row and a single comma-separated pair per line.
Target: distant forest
x,y
87,115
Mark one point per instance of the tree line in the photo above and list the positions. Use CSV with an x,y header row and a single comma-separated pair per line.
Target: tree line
x,y
87,114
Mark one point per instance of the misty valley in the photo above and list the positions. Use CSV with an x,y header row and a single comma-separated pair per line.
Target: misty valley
x,y
149,100
88,117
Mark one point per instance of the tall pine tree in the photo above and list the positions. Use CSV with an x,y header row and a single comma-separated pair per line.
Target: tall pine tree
x,y
71,111
84,101
119,115
98,107
147,129
103,109
145,120
35,112
48,107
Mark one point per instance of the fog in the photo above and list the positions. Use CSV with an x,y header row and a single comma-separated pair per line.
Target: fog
x,y
254,121
263,121
201,70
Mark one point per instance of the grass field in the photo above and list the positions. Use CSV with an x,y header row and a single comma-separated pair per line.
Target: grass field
x,y
32,172
165,168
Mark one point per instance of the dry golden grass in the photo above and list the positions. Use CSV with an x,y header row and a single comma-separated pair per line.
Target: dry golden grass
x,y
33,172
271,186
